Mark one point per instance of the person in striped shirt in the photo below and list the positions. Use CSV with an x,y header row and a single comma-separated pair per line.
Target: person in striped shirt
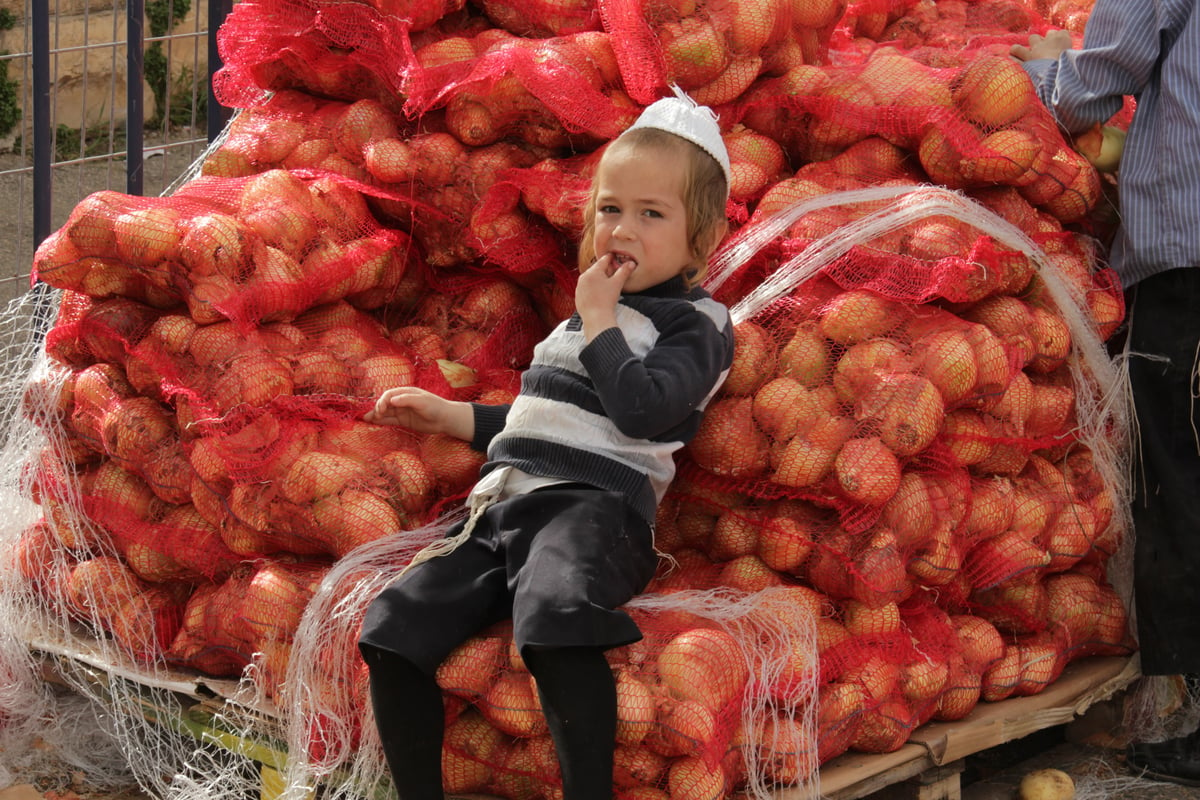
x,y
560,530
1151,51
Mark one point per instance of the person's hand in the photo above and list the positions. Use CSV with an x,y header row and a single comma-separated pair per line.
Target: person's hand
x,y
415,409
1051,46
597,292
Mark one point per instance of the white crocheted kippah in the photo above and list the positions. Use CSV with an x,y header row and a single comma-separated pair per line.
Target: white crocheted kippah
x,y
682,116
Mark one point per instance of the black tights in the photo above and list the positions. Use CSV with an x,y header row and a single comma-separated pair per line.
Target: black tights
x,y
578,696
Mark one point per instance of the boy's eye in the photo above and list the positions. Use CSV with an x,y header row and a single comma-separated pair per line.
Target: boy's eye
x,y
608,210
650,212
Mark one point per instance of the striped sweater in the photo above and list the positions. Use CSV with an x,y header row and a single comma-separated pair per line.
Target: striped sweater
x,y
614,412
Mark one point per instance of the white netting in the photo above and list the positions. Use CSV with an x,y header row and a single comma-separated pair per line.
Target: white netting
x,y
1104,412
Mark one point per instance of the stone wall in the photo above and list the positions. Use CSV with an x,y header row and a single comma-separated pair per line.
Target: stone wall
x,y
88,80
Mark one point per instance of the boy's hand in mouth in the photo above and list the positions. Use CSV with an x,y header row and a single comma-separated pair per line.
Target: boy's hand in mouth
x,y
616,260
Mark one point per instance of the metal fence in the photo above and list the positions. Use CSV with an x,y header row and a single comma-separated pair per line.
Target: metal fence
x,y
78,70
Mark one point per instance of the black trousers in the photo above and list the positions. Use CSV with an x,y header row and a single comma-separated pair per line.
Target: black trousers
x,y
560,562
1164,335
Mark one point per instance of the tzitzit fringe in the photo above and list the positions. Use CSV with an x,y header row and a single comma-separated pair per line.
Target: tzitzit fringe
x,y
444,547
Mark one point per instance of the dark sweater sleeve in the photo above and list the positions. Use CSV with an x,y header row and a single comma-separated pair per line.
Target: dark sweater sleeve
x,y
648,396
489,420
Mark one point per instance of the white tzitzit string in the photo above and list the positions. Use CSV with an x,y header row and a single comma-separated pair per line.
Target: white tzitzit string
x,y
444,547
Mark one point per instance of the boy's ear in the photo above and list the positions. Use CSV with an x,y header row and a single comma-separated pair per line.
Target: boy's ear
x,y
716,236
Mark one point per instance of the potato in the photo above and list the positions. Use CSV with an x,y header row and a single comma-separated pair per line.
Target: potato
x,y
1047,784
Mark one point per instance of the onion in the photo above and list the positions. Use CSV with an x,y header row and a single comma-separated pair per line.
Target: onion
x,y
690,778
754,359
636,709
635,767
512,705
470,751
683,726
315,475
471,667
729,441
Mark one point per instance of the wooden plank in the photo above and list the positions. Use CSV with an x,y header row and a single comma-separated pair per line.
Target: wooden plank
x,y
990,724
1083,683
855,775
85,651
943,782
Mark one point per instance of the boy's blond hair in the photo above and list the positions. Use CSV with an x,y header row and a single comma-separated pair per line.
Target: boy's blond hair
x,y
704,193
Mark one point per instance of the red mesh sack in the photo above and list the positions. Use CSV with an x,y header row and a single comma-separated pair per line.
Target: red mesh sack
x,y
289,480
1069,14
90,331
556,189
437,188
341,51
140,617
943,28
484,321
251,614
56,486
260,248
866,455
713,50
161,543
41,562
971,121
558,93
294,130
543,18
418,15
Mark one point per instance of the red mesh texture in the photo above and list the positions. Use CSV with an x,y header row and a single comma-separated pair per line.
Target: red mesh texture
x,y
308,488
971,122
417,15
142,618
255,610
256,249
160,542
557,93
403,209
338,50
427,183
543,18
952,27
713,50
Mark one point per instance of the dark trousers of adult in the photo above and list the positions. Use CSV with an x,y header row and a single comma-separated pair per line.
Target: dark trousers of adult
x,y
1164,337
578,696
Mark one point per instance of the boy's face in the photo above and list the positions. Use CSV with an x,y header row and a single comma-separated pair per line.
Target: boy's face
x,y
640,214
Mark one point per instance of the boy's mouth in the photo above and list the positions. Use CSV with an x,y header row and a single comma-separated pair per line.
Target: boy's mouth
x,y
621,258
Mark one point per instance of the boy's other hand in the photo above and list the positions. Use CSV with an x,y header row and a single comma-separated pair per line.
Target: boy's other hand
x,y
409,407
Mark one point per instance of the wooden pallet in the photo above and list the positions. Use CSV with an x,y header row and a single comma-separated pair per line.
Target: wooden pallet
x,y
927,767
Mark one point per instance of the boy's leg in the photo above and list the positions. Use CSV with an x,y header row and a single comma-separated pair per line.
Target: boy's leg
x,y
407,631
579,698
410,718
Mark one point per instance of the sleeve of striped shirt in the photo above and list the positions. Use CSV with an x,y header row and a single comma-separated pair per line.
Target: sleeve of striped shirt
x,y
1119,54
489,420
645,397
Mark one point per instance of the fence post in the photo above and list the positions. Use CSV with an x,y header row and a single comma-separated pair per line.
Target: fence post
x,y
218,114
135,68
43,134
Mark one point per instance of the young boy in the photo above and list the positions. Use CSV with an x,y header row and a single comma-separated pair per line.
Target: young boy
x,y
560,533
